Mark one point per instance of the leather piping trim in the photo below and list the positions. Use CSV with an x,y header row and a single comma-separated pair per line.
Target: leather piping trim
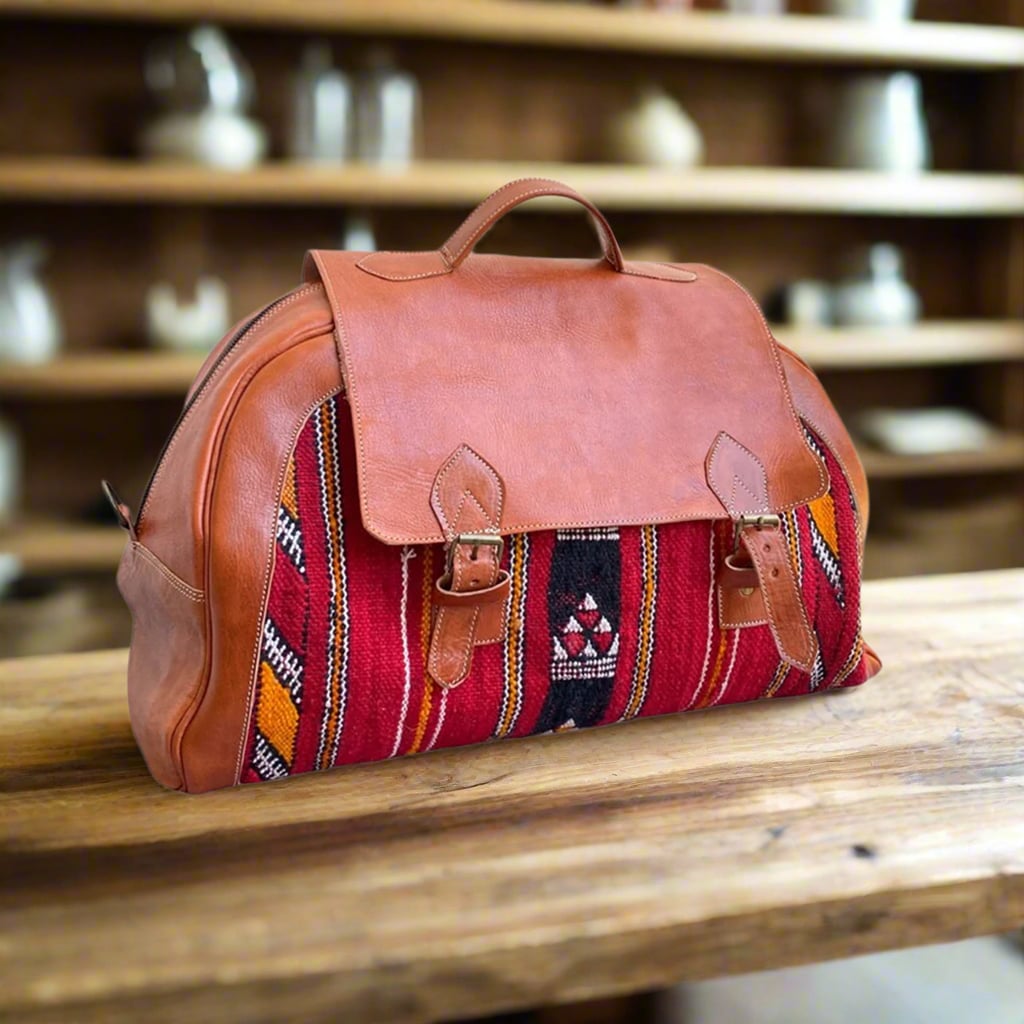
x,y
364,265
173,579
655,518
268,575
209,474
780,372
198,395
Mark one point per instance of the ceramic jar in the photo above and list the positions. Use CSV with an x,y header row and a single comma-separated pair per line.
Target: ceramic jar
x,y
205,89
876,294
195,325
656,131
323,114
30,329
873,10
879,124
388,118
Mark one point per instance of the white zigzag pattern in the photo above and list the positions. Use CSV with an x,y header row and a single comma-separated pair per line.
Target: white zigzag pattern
x,y
267,762
283,660
289,536
827,560
817,670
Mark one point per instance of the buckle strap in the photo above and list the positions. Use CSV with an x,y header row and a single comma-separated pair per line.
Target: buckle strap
x,y
467,498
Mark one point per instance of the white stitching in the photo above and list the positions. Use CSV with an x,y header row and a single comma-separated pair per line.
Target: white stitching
x,y
175,581
627,269
725,623
773,346
281,304
808,637
604,229
712,460
364,266
371,523
268,571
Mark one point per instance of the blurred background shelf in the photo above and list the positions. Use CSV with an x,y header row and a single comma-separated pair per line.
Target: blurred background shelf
x,y
103,373
462,183
509,89
55,547
59,547
1004,455
704,34
924,344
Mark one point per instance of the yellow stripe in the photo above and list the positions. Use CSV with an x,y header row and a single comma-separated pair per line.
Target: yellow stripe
x,y
513,634
780,676
428,684
288,498
332,499
709,689
646,638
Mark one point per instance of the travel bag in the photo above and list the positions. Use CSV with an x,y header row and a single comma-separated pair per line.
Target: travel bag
x,y
429,499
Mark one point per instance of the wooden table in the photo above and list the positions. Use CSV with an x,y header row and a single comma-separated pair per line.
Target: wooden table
x,y
521,873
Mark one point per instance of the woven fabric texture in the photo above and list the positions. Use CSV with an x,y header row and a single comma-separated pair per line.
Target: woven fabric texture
x,y
603,625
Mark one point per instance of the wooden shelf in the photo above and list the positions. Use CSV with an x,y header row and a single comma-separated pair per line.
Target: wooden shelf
x,y
704,34
143,373
53,547
924,344
459,183
1005,455
99,374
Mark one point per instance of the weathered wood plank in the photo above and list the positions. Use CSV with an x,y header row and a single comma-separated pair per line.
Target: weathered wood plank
x,y
525,872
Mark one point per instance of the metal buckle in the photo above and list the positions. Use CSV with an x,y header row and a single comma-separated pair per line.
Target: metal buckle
x,y
474,540
766,521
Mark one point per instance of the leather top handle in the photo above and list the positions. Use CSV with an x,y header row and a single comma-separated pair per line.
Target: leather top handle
x,y
498,203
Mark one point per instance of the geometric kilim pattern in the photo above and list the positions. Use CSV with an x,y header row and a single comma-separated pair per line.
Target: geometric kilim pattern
x,y
603,624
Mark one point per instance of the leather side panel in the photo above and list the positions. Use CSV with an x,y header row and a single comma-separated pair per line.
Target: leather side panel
x,y
244,498
816,408
171,522
166,661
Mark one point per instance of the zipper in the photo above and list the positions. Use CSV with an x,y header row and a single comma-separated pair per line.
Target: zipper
x,y
198,392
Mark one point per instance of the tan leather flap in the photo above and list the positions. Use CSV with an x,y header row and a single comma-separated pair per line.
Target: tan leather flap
x,y
596,396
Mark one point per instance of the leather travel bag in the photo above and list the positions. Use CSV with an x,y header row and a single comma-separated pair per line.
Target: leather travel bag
x,y
434,498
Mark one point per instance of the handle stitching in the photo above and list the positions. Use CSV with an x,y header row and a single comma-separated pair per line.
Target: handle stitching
x,y
603,229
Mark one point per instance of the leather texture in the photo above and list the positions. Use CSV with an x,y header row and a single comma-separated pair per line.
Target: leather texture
x,y
783,602
738,477
593,394
594,397
467,498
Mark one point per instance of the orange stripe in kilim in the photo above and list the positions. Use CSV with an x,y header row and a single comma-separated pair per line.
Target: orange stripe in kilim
x,y
603,624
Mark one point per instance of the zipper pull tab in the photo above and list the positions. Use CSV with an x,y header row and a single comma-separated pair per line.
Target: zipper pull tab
x,y
121,509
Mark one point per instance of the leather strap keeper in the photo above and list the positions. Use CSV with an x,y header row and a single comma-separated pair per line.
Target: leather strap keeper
x,y
445,598
467,498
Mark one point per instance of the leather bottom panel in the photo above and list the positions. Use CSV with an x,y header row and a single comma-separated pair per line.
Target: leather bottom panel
x,y
603,625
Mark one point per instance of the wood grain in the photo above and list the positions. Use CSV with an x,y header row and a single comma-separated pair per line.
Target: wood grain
x,y
447,183
520,873
710,34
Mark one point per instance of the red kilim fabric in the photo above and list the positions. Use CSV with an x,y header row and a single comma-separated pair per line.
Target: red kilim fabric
x,y
603,625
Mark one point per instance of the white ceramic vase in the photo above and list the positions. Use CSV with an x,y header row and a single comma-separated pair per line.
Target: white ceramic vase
x,y
10,472
30,330
194,325
872,10
771,7
879,124
878,295
323,116
657,132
